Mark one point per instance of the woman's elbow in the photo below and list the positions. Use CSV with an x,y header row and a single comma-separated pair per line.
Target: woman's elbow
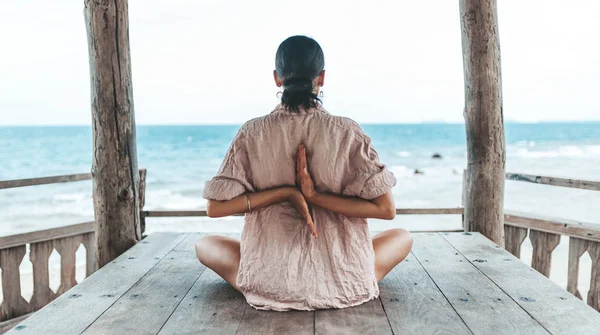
x,y
212,209
388,213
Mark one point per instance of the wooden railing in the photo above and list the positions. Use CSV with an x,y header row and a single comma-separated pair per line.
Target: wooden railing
x,y
66,241
39,245
543,232
545,235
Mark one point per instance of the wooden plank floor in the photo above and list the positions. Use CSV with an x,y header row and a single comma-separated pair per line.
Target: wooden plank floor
x,y
451,283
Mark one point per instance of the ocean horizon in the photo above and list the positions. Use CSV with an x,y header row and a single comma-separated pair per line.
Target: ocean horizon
x,y
181,158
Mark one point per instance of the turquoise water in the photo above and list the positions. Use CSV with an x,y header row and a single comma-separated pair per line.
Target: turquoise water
x,y
180,159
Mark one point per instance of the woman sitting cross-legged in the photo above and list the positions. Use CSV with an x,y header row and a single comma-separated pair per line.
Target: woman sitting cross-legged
x,y
307,181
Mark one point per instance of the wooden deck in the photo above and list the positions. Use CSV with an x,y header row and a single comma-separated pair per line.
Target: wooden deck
x,y
452,283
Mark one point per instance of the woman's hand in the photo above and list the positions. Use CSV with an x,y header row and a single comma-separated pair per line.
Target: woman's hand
x,y
296,198
303,178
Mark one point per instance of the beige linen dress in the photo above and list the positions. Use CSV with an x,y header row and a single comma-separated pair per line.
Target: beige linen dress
x,y
282,265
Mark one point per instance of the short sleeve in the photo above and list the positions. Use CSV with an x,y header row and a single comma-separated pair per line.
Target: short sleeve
x,y
369,178
231,180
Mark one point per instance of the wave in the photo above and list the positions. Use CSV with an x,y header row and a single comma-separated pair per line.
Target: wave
x,y
401,171
562,151
174,201
73,196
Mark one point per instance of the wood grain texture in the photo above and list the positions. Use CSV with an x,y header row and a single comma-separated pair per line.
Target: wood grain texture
x,y
543,245
142,199
583,230
481,304
271,322
188,244
593,300
414,304
153,299
550,305
484,122
576,249
89,242
67,247
9,324
430,211
368,318
13,304
4,184
555,181
39,253
114,161
463,198
46,235
513,239
211,306
89,299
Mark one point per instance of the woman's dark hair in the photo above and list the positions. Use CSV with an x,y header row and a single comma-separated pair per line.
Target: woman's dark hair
x,y
299,60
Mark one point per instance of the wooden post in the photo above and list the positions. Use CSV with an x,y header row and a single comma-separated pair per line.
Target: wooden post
x,y
114,166
484,204
142,199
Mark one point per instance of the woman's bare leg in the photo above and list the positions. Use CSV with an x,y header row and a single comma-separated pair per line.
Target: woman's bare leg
x,y
391,247
221,254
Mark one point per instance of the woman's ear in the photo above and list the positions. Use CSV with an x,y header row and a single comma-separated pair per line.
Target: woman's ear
x,y
322,78
278,81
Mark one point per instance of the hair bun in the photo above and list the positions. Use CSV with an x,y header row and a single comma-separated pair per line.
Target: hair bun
x,y
298,84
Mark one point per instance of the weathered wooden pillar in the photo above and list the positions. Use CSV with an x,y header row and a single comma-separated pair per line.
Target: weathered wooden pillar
x,y
114,166
484,202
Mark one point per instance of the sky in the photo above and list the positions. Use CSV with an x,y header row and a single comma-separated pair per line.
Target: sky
x,y
211,62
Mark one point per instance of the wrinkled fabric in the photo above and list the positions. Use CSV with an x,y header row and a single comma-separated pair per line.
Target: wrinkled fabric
x,y
282,266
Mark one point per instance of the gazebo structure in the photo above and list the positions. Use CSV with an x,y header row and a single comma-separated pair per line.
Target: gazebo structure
x,y
452,282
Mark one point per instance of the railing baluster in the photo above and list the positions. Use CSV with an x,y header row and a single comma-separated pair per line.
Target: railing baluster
x,y
142,199
576,248
89,242
14,304
543,245
67,247
39,253
513,238
594,292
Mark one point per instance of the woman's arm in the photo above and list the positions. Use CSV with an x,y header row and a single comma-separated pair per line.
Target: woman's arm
x,y
239,204
382,207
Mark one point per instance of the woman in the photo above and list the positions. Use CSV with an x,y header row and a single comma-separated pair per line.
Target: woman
x,y
308,246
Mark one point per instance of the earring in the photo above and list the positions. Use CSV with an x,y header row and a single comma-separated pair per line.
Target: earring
x,y
279,94
321,94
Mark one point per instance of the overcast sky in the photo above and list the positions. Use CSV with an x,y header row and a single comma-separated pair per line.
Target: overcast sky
x,y
387,61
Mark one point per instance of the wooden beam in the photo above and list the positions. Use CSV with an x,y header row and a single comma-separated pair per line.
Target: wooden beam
x,y
46,235
484,201
114,163
4,184
554,181
583,230
400,211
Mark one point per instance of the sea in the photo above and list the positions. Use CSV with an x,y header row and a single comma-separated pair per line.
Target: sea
x,y
180,159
